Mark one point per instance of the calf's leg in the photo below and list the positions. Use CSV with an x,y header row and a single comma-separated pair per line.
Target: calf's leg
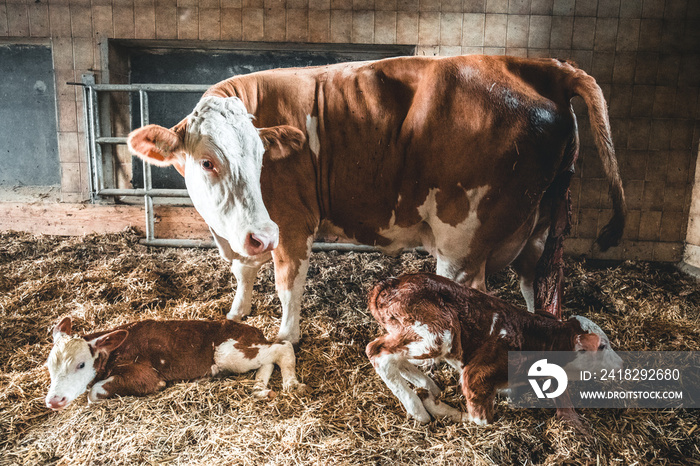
x,y
134,379
388,356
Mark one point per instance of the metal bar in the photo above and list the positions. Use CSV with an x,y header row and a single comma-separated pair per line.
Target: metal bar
x,y
151,87
99,172
147,178
178,243
143,192
92,182
315,247
111,140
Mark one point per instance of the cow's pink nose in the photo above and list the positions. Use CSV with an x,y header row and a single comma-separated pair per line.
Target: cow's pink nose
x,y
56,402
258,243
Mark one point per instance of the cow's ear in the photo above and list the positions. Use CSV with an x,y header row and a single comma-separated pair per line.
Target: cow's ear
x,y
280,141
62,328
587,342
157,145
109,342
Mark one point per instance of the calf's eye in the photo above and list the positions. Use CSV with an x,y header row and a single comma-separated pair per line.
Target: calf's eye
x,y
207,165
81,365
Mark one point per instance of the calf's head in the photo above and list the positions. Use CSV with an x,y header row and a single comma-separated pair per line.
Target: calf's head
x,y
593,346
72,362
220,153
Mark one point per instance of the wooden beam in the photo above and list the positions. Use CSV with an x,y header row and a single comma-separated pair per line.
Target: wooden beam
x,y
82,219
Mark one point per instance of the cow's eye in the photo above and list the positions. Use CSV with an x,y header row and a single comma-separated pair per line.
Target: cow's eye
x,y
81,365
601,347
207,165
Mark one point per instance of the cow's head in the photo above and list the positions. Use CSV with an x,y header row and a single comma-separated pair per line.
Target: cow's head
x,y
72,362
220,153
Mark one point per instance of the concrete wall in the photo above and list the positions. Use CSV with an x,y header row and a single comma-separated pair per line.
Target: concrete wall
x,y
644,53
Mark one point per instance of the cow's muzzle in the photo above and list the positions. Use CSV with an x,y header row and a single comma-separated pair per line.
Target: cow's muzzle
x,y
259,242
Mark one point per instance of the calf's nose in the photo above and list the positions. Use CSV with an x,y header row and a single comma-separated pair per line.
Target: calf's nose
x,y
56,402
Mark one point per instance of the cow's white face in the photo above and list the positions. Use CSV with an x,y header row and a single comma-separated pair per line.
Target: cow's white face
x,y
71,365
220,153
223,162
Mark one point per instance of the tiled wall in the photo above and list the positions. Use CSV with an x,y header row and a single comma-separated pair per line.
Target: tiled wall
x,y
644,53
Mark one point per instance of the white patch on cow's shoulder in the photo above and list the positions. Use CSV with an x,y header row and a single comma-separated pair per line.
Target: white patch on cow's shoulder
x,y
312,131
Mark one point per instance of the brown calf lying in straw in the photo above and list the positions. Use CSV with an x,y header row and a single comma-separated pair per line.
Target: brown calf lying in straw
x,y
141,357
429,317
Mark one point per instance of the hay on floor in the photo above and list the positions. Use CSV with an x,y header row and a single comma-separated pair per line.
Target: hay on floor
x,y
350,417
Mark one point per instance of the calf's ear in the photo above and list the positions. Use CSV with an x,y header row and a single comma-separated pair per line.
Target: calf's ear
x,y
109,342
63,327
587,342
157,145
280,141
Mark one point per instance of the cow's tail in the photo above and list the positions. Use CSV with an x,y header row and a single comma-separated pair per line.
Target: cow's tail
x,y
585,86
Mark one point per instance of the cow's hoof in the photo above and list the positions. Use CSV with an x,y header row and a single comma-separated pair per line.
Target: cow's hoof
x,y
300,389
235,316
265,394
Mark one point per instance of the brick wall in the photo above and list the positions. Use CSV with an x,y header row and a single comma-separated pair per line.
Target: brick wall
x,y
644,53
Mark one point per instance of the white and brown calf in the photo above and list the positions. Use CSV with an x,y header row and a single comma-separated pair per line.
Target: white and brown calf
x,y
429,317
139,358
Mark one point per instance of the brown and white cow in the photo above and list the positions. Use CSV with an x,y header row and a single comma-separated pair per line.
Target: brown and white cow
x,y
469,156
431,318
139,358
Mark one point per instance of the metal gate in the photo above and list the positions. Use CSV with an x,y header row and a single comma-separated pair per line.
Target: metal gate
x,y
95,119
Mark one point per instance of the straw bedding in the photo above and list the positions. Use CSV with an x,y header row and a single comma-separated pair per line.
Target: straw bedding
x,y
350,417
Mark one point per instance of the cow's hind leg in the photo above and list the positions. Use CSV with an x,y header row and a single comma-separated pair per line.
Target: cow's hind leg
x,y
524,265
245,279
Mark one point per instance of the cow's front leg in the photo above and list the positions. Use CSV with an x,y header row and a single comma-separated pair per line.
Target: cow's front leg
x,y
290,276
245,274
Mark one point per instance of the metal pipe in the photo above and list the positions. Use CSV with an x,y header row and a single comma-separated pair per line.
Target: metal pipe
x,y
147,178
178,243
315,247
111,140
142,192
96,134
88,144
151,87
